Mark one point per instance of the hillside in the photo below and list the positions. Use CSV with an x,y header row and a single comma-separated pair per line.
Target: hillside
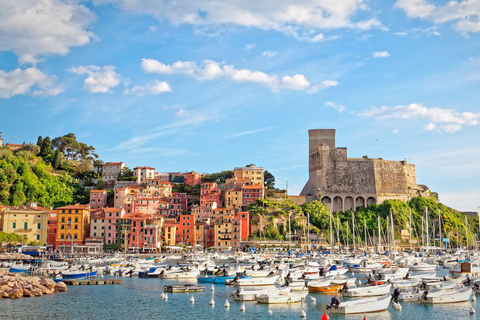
x,y
25,178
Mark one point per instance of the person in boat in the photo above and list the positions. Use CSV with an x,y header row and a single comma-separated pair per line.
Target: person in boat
x,y
395,295
334,303
424,295
322,272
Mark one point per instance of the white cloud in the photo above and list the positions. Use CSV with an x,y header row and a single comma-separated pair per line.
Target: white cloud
x,y
249,132
395,130
250,46
416,32
339,107
36,27
28,81
381,54
264,14
438,119
269,54
100,79
213,70
465,13
153,28
156,88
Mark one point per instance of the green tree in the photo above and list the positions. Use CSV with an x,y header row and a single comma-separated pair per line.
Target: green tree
x,y
319,214
57,161
40,141
268,179
46,148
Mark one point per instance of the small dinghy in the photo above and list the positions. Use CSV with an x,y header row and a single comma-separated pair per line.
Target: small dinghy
x,y
183,288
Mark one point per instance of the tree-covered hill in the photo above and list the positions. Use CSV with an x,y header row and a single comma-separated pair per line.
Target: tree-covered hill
x,y
25,177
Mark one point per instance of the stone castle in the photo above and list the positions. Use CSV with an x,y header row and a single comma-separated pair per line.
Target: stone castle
x,y
347,183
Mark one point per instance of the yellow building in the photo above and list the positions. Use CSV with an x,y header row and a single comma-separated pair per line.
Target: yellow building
x,y
233,199
169,231
73,226
31,221
223,232
250,172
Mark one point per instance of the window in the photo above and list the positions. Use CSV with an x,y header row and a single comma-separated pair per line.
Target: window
x,y
14,225
38,225
61,237
76,227
63,227
25,225
75,237
63,219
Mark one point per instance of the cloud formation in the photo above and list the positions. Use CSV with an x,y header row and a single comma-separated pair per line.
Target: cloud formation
x,y
380,54
156,88
213,70
438,119
100,79
465,13
249,132
269,54
36,27
28,81
277,15
338,107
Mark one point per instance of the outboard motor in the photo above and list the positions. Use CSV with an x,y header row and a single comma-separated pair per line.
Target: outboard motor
x,y
425,294
334,303
395,295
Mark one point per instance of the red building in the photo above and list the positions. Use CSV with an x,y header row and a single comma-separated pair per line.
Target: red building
x,y
144,235
185,229
52,229
192,178
251,194
210,192
240,228
178,203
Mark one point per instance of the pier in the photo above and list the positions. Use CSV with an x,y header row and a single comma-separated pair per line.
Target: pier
x,y
91,282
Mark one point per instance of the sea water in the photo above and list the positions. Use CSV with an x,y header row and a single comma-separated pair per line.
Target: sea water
x,y
140,299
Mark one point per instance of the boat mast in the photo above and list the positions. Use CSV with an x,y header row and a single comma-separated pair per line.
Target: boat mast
x,y
440,230
379,236
393,230
331,235
466,230
410,233
423,243
426,228
348,230
353,233
365,228
338,233
308,226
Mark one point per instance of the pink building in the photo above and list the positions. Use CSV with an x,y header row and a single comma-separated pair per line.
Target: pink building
x,y
178,203
143,173
113,220
111,170
210,192
144,235
150,205
251,194
124,197
98,199
192,178
204,211
156,188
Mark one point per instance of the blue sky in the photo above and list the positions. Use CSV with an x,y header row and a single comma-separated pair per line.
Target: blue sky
x,y
213,84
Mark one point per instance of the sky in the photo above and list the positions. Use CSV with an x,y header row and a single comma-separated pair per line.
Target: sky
x,y
209,85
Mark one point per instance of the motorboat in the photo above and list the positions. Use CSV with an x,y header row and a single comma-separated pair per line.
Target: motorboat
x,y
367,291
280,297
423,267
446,296
267,281
78,274
366,266
362,305
183,288
250,295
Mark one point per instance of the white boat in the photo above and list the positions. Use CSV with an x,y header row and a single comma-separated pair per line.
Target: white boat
x,y
267,281
366,266
276,298
368,291
362,305
251,295
408,294
179,275
447,296
466,268
423,267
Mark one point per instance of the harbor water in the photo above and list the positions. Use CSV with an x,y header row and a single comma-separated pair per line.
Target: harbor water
x,y
139,298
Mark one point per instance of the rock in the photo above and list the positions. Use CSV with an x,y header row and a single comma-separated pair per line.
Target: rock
x,y
49,283
60,287
5,295
16,294
27,293
37,292
11,284
5,288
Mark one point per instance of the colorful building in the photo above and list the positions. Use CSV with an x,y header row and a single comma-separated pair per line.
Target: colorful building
x,y
73,226
113,225
125,196
30,221
251,194
210,192
233,199
52,229
192,178
178,203
185,229
250,172
170,231
97,223
110,171
240,228
223,231
98,199
143,173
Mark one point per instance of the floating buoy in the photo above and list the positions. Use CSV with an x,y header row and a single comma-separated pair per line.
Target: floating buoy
x,y
270,312
166,297
325,315
364,317
162,295
192,299
227,304
303,314
242,307
212,302
396,306
212,288
474,298
313,299
472,311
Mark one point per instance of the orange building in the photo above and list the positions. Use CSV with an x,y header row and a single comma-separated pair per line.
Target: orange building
x,y
98,199
73,226
192,178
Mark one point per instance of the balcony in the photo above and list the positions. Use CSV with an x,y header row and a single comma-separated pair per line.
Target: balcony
x,y
22,230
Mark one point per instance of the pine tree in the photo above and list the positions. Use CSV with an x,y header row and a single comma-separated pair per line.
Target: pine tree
x,y
46,147
40,141
56,159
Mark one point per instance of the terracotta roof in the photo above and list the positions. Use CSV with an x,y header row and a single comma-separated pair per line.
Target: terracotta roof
x,y
143,168
76,206
252,187
98,191
113,210
98,215
112,164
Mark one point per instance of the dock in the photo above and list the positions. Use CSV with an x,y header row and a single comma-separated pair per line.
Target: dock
x,y
91,282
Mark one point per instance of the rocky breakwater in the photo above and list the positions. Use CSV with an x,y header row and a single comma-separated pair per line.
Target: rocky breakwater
x,y
15,286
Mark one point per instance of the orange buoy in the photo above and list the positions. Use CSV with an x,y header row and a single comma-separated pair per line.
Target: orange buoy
x,y
364,317
325,315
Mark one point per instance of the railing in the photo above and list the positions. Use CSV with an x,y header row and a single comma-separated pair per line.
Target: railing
x,y
22,230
